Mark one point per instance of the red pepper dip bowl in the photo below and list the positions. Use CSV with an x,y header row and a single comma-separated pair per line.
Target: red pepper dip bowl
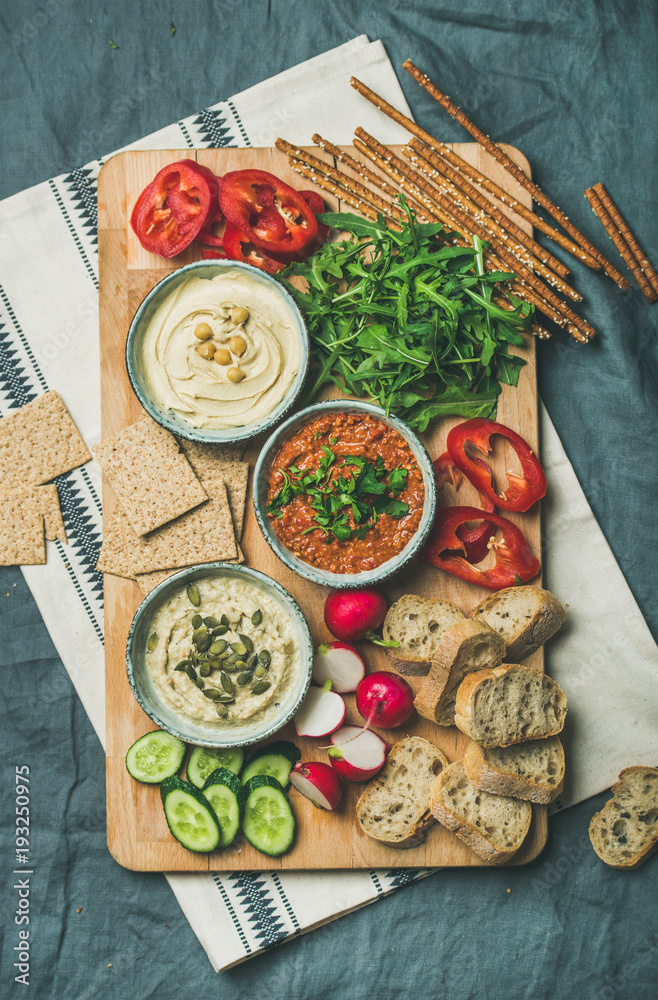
x,y
344,495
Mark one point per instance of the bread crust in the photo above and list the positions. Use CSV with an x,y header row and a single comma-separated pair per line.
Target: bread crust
x,y
405,661
483,773
468,832
466,705
545,615
450,663
418,833
608,814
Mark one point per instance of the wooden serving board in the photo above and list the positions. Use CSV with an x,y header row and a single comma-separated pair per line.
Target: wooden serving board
x,y
137,833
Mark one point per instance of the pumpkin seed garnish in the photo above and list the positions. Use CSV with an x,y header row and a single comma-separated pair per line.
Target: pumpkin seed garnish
x,y
199,683
239,648
213,662
203,644
260,670
226,698
152,641
252,661
265,656
212,694
244,677
218,646
260,687
246,642
257,617
193,595
211,621
191,672
204,669
182,664
222,711
220,630
241,665
227,683
197,621
224,621
232,658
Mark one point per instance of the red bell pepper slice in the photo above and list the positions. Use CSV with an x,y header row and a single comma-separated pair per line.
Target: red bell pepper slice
x,y
271,214
514,560
212,232
476,539
238,246
521,491
166,230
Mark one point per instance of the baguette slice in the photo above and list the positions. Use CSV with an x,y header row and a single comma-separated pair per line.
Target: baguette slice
x,y
533,771
509,704
465,646
394,808
494,826
417,625
625,833
526,617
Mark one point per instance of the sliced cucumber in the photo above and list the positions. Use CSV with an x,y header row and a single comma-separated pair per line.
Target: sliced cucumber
x,y
204,760
189,816
276,759
224,793
154,757
268,823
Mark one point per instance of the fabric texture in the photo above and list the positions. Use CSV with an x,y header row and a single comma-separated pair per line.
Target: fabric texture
x,y
547,111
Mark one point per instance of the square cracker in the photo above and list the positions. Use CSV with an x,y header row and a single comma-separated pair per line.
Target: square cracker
x,y
21,533
153,481
149,581
210,460
203,457
45,500
202,535
38,443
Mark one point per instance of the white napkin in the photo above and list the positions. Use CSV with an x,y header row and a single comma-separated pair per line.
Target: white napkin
x,y
49,340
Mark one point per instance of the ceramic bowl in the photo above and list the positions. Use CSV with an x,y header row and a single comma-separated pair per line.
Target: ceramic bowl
x,y
175,422
343,581
215,734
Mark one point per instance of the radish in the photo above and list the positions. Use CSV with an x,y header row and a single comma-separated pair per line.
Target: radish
x,y
322,711
384,700
357,754
354,614
339,663
318,782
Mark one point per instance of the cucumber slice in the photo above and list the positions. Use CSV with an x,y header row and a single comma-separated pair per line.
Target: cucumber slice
x,y
268,823
189,816
204,760
224,793
276,759
154,757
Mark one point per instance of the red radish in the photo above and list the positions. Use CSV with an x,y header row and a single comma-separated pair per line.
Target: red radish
x,y
339,663
353,614
357,754
318,782
322,711
384,699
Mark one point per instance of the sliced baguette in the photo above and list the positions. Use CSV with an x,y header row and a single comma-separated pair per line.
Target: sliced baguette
x,y
625,833
417,625
394,808
463,647
533,771
509,704
526,617
494,826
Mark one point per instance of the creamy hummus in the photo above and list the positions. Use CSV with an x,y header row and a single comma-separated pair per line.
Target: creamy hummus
x,y
199,389
238,601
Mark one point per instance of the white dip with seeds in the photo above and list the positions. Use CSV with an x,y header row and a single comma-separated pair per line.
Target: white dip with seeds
x,y
223,681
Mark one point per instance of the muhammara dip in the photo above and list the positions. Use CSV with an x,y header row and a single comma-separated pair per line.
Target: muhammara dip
x,y
222,352
216,683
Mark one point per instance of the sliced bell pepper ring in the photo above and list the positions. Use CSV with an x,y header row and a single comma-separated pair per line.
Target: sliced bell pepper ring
x,y
476,539
514,560
212,232
238,246
271,214
163,230
521,491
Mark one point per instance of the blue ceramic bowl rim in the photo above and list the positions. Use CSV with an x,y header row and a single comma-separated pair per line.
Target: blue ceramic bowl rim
x,y
260,490
154,599
180,427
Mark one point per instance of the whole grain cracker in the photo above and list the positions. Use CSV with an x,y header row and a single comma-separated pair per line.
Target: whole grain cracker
x,y
39,442
149,581
153,480
21,533
45,500
204,457
207,460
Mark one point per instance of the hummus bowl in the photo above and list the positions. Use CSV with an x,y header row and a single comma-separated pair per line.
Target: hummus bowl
x,y
393,499
217,352
212,700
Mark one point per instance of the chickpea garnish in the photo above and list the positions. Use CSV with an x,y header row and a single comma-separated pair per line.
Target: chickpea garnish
x,y
202,331
235,374
205,350
239,315
238,346
223,357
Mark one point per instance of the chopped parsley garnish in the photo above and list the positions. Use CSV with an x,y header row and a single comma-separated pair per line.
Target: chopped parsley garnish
x,y
354,486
